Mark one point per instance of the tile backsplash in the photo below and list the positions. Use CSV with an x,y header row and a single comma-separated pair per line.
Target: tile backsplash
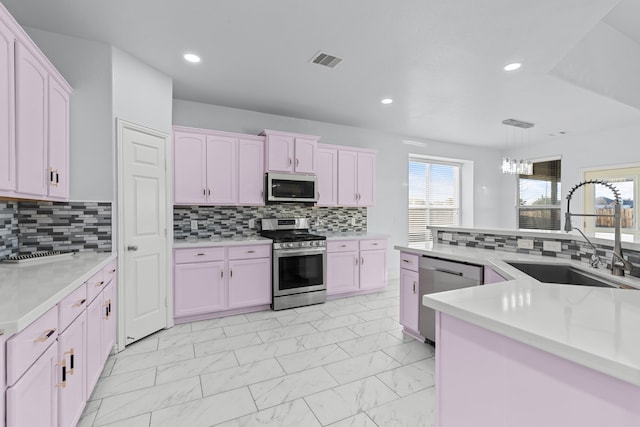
x,y
577,250
230,221
32,226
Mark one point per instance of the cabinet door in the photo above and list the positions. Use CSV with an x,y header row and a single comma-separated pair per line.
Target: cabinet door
x,y
7,111
409,299
189,168
347,178
199,288
94,355
342,272
71,349
373,269
366,179
33,400
31,124
249,282
280,153
3,378
109,319
327,169
221,170
305,155
250,172
58,140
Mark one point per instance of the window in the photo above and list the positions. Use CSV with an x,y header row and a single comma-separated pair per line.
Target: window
x,y
434,196
600,200
539,197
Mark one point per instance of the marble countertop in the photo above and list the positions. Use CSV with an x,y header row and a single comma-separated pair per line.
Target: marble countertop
x,y
595,327
221,241
29,291
352,235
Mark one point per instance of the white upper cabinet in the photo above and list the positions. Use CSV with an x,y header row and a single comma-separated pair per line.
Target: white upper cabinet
x,y
290,152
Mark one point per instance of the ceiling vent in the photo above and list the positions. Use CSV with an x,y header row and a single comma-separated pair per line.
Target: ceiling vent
x,y
325,59
517,123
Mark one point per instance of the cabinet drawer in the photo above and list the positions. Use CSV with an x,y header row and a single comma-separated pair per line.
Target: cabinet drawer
x,y
183,256
342,246
95,285
248,252
25,347
71,306
367,245
109,272
409,261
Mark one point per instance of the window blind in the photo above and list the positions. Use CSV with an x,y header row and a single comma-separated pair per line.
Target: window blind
x,y
539,197
434,190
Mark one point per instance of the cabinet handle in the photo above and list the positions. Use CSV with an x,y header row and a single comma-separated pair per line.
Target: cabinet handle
x,y
374,244
71,360
102,282
343,246
251,252
208,191
230,273
407,261
57,178
361,261
200,254
63,383
356,260
290,161
221,274
46,336
414,287
204,192
297,162
113,271
79,303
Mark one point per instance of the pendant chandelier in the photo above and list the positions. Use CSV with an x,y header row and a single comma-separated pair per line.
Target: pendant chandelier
x,y
514,166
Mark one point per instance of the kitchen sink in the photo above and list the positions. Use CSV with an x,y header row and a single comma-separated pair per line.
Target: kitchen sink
x,y
563,274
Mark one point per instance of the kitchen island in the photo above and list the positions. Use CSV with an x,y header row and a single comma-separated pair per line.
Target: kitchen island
x,y
525,353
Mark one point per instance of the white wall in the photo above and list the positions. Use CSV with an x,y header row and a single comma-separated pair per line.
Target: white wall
x,y
389,216
614,147
141,94
86,65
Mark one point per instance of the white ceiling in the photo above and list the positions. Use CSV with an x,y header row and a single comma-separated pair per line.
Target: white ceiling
x,y
441,61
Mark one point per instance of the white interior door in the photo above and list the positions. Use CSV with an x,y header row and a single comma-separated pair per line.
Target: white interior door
x,y
142,229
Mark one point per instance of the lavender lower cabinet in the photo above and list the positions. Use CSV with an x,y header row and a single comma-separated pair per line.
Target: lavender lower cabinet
x,y
484,379
3,378
33,399
94,354
409,300
109,320
356,265
249,282
373,269
342,272
72,354
491,276
199,288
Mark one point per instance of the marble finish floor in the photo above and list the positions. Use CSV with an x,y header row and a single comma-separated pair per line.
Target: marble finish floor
x,y
342,363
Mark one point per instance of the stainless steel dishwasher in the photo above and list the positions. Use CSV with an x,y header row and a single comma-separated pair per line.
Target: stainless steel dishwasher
x,y
438,275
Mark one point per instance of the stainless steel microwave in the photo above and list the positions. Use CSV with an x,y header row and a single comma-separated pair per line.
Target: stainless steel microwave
x,y
282,187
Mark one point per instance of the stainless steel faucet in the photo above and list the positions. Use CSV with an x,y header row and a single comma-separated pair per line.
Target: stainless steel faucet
x,y
618,263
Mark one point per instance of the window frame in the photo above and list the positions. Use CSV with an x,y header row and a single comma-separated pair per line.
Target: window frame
x,y
556,207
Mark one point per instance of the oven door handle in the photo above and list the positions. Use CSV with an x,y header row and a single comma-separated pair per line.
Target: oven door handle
x,y
290,253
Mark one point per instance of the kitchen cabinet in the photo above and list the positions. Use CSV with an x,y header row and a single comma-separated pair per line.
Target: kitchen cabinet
x,y
216,279
217,168
409,292
250,172
7,110
33,399
72,355
289,152
356,178
3,378
491,276
34,119
327,171
356,266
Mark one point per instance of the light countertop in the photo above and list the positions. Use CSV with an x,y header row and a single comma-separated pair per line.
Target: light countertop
x,y
352,235
595,327
221,241
29,291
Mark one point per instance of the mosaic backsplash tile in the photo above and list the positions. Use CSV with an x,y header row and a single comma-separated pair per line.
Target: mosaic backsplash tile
x,y
8,228
230,221
571,249
66,226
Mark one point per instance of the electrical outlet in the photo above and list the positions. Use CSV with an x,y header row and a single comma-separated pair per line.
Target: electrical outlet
x,y
353,221
194,224
551,246
447,237
252,223
525,244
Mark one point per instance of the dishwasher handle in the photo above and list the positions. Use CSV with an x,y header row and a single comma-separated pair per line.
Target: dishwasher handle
x,y
455,273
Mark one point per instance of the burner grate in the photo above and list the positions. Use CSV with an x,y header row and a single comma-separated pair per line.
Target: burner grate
x,y
35,257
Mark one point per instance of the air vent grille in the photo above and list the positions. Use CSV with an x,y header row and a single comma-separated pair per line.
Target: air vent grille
x,y
325,59
517,123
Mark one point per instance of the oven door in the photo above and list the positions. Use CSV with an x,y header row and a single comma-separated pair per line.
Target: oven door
x,y
299,270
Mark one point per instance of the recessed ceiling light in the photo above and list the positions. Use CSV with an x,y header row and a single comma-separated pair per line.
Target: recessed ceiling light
x,y
191,57
386,101
513,66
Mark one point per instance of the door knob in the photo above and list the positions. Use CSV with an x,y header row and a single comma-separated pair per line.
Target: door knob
x,y
132,247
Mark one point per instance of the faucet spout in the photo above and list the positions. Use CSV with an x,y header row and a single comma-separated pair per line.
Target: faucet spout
x,y
618,263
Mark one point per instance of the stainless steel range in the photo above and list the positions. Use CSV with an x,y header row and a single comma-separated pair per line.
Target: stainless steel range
x,y
299,263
